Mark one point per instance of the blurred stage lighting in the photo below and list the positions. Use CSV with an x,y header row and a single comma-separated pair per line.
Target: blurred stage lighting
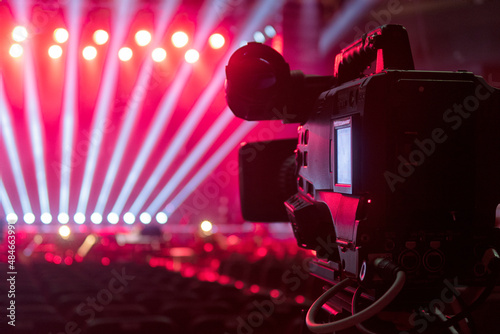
x,y
216,41
12,218
46,218
125,54
96,218
142,37
180,39
206,226
29,218
145,218
61,35
63,218
192,56
159,55
270,31
55,51
100,37
89,52
79,218
113,218
259,37
64,231
161,218
19,34
129,218
16,50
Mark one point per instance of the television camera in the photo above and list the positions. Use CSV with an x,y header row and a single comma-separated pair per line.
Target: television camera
x,y
394,179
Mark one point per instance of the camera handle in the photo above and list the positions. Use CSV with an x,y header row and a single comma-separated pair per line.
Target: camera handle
x,y
388,45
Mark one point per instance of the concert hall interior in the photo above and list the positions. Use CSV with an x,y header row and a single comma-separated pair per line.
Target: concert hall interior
x,y
250,166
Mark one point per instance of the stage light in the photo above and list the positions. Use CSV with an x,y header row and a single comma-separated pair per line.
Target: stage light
x,y
142,37
145,218
161,218
192,56
180,39
129,218
216,41
79,218
100,37
61,35
113,218
64,231
16,51
159,55
19,34
96,218
12,218
29,218
55,51
125,54
89,52
63,218
270,31
46,218
206,226
259,37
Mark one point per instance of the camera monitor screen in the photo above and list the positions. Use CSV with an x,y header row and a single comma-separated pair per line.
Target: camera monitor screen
x,y
342,155
343,150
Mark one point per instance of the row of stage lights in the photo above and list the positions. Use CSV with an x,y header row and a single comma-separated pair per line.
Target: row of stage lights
x,y
143,37
96,218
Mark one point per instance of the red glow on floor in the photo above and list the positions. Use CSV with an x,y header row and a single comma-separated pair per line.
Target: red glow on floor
x,y
105,261
239,285
275,293
57,259
300,299
49,257
208,247
254,288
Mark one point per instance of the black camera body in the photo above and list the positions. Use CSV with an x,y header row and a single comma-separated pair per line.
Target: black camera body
x,y
398,163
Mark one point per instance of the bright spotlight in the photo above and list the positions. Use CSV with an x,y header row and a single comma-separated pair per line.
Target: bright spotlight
x,y
64,231
142,37
270,31
159,55
96,218
259,37
180,39
216,41
61,35
89,52
16,50
46,218
129,218
55,51
192,56
125,54
161,218
63,218
79,218
29,218
113,218
100,37
19,34
145,218
206,226
12,218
